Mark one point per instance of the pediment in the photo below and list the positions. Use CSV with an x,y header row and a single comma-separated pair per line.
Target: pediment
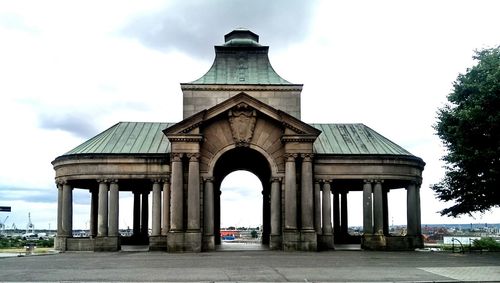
x,y
242,110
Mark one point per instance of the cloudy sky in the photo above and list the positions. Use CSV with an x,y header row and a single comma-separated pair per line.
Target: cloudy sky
x,y
71,69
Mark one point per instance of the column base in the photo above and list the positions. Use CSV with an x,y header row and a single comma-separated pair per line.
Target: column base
x,y
106,244
325,242
184,242
60,243
294,240
208,243
406,243
158,243
373,242
308,241
275,242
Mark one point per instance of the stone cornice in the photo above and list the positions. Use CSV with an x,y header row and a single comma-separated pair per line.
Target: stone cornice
x,y
249,87
298,138
185,138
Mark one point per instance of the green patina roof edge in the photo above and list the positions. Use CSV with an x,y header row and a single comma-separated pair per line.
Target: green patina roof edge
x,y
147,139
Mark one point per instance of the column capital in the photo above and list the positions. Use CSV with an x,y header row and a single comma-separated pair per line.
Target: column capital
x,y
61,182
113,181
176,156
367,181
208,179
165,179
103,180
290,157
193,157
275,179
378,181
326,181
307,157
156,180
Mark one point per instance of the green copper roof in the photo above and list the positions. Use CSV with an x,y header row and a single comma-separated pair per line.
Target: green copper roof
x,y
353,139
148,138
241,60
127,138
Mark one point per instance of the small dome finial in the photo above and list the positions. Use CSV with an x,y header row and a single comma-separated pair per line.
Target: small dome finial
x,y
241,33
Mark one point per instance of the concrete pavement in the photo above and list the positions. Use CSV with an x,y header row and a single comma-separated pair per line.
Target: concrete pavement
x,y
254,266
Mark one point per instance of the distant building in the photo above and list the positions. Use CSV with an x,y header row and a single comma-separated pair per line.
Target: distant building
x,y
241,115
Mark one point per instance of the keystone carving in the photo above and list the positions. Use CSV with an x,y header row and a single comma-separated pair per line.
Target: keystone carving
x,y
242,120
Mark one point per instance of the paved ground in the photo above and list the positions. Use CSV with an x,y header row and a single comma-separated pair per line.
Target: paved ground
x,y
253,266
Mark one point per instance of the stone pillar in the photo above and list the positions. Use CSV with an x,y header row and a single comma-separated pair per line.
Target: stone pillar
x,y
327,209
317,207
307,194
67,211
59,208
166,207
275,206
94,206
367,208
137,214
208,217
156,223
102,215
343,214
193,198
176,204
419,220
145,214
114,202
290,193
378,209
386,211
411,209
336,213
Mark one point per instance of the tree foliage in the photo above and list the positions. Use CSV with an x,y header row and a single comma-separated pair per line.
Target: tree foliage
x,y
469,126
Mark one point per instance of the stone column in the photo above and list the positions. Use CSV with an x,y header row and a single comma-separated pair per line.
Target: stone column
x,y
208,207
94,206
343,214
317,207
59,208
327,209
419,220
275,206
290,192
176,204
411,209
102,215
137,214
386,211
166,207
193,197
307,194
145,213
378,209
367,208
156,223
114,202
336,213
67,210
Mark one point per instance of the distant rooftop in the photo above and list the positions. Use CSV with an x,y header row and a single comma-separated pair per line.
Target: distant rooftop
x,y
241,60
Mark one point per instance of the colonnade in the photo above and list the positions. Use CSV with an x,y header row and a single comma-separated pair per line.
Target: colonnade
x,y
104,209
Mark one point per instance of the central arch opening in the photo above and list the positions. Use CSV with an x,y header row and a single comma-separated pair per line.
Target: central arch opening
x,y
241,211
242,196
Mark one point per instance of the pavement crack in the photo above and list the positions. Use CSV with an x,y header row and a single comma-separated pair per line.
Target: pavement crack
x,y
280,274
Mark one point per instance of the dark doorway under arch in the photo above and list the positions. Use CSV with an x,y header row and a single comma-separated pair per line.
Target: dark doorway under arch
x,y
243,158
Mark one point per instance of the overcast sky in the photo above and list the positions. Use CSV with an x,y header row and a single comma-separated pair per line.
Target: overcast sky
x,y
71,69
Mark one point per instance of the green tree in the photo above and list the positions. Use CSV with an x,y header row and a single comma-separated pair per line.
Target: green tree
x,y
469,126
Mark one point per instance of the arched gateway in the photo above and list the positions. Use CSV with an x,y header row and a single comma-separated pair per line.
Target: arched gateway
x,y
240,115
